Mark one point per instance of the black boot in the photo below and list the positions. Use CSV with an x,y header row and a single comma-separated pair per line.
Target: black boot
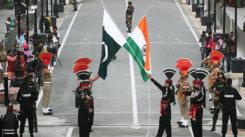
x,y
235,135
21,135
223,135
31,135
35,128
213,128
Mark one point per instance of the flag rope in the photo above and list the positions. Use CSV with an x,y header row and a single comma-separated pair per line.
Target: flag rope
x,y
149,113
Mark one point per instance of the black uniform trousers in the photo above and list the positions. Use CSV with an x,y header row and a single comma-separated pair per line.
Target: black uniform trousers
x,y
164,125
165,122
196,125
229,111
84,131
216,115
29,114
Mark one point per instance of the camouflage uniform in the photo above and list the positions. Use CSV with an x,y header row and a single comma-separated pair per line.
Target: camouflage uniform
x,y
36,87
74,5
129,16
217,86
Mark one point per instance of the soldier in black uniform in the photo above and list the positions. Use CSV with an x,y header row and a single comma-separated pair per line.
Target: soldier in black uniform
x,y
83,100
197,99
216,88
228,97
165,107
26,96
36,88
91,105
9,123
129,16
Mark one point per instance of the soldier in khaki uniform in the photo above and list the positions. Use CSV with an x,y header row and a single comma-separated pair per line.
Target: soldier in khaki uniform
x,y
207,61
47,83
183,86
129,16
3,65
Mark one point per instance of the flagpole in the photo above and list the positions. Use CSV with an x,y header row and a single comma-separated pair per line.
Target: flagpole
x,y
104,6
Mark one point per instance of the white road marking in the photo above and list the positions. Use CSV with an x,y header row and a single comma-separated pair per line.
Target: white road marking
x,y
101,97
134,99
130,113
168,43
67,9
39,97
238,112
191,131
68,30
188,24
61,47
69,132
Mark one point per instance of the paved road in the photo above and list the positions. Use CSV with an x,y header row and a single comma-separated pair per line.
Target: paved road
x,y
170,39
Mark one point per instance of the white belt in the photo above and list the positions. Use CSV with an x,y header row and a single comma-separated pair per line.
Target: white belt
x,y
47,82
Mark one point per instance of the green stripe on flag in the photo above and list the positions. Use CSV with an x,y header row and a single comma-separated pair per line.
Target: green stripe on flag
x,y
135,52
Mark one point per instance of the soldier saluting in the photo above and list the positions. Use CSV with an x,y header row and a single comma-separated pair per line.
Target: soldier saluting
x,y
165,107
129,16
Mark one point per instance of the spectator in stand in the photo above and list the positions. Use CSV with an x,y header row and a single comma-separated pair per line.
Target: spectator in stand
x,y
8,23
27,53
56,38
218,42
24,41
22,38
11,59
209,43
13,24
23,61
203,45
230,50
51,47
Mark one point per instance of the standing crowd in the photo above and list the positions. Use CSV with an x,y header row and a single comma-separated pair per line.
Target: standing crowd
x,y
36,73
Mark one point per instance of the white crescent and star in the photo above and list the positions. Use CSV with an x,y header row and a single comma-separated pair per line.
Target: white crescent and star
x,y
106,52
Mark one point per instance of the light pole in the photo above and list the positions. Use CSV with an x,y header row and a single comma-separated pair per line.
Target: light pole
x,y
18,71
56,12
215,16
41,17
236,37
209,19
27,21
47,23
35,35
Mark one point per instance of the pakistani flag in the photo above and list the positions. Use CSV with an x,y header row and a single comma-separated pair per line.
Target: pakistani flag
x,y
112,41
139,48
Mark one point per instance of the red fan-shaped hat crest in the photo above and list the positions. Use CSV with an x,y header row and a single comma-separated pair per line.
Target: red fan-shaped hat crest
x,y
79,67
216,56
84,60
182,60
184,66
45,57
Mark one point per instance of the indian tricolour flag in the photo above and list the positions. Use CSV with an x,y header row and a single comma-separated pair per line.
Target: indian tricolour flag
x,y
138,46
112,41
